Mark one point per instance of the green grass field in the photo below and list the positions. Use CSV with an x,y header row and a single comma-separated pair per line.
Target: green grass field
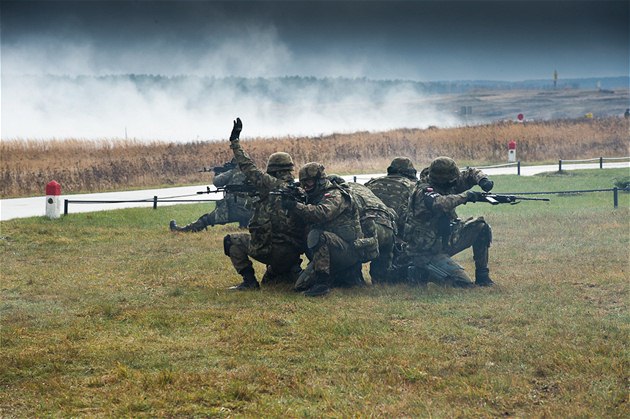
x,y
110,314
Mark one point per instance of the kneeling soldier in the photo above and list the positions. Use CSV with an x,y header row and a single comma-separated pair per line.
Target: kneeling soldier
x,y
433,232
334,226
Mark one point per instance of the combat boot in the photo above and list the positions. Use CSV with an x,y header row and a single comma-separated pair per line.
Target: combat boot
x,y
320,288
192,227
482,277
249,281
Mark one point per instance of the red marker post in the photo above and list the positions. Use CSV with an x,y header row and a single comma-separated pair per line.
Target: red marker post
x,y
53,200
512,151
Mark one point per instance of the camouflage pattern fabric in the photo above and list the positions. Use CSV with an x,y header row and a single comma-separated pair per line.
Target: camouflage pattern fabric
x,y
377,220
394,191
271,230
433,232
235,206
333,220
282,262
270,224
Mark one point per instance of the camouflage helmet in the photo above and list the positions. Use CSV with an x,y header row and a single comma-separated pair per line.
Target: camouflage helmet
x,y
403,166
312,170
279,161
443,170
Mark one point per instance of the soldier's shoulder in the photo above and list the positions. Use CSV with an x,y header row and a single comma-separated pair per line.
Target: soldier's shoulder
x,y
421,186
335,192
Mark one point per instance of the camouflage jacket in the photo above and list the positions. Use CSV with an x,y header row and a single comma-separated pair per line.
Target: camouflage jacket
x,y
233,177
394,191
333,210
432,210
270,224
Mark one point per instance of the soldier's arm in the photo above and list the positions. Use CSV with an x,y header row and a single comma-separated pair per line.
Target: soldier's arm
x,y
253,174
223,179
435,202
469,178
329,208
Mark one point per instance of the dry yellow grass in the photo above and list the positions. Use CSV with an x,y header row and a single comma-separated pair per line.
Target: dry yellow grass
x,y
90,166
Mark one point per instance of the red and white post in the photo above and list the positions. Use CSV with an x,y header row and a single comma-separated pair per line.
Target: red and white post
x,y
512,151
53,200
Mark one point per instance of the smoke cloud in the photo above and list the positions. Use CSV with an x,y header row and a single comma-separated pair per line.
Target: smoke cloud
x,y
191,108
55,88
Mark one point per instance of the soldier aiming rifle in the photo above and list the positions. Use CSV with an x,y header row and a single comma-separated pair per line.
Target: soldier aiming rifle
x,y
235,205
434,233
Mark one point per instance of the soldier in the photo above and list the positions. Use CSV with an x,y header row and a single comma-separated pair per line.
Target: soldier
x,y
378,221
275,238
396,188
334,233
234,207
434,233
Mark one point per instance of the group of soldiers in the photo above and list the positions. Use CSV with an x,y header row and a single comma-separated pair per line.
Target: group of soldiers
x,y
403,224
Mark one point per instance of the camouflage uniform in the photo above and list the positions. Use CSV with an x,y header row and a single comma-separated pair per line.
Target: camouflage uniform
x,y
433,232
396,188
275,238
234,207
334,227
378,221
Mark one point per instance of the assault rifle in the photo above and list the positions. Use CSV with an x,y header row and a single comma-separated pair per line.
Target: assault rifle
x,y
291,191
496,199
219,169
249,189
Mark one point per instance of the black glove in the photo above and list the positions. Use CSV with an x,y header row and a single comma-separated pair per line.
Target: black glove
x,y
288,202
474,196
486,184
236,131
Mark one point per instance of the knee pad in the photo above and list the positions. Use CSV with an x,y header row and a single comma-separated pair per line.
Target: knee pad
x,y
227,243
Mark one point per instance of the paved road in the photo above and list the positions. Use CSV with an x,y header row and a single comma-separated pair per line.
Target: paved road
x,y
36,206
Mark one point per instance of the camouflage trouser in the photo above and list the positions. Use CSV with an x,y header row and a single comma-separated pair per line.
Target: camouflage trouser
x,y
224,213
281,259
440,268
332,256
380,268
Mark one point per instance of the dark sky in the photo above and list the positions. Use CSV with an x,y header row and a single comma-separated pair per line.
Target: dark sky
x,y
419,40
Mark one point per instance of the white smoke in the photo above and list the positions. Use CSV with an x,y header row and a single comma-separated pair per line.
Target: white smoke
x,y
83,105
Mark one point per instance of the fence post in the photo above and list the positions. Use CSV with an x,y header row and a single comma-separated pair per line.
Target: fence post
x,y
559,165
518,168
601,162
616,197
65,207
155,202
